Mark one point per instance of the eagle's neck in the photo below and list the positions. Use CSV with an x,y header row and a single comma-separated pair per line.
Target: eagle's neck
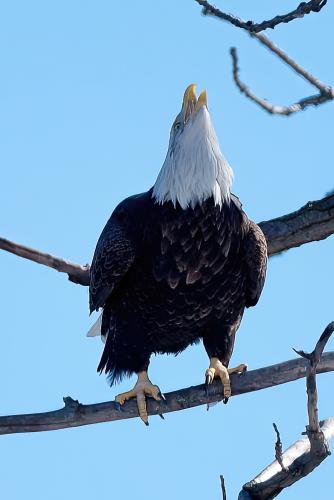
x,y
194,169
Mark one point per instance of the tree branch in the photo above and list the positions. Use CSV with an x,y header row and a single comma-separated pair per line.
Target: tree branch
x,y
322,87
313,222
75,414
304,455
278,447
222,484
76,273
326,93
303,9
274,109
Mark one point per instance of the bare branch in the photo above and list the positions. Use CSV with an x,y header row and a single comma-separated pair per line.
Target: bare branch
x,y
272,480
306,454
326,92
222,484
303,9
75,414
278,447
76,273
314,100
313,222
319,447
322,87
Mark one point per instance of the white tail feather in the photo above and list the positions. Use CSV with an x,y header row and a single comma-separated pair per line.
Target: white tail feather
x,y
95,330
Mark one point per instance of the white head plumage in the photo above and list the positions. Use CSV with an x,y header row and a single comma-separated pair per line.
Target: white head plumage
x,y
194,169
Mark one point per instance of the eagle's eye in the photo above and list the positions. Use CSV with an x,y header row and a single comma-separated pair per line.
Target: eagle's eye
x,y
177,125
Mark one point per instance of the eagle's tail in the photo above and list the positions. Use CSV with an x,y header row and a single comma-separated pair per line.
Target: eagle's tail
x,y
109,362
109,359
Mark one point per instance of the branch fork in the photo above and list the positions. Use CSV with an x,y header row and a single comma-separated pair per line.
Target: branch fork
x,y
304,455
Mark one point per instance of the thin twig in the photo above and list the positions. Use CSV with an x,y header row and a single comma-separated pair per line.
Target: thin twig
x,y
222,484
75,414
326,92
303,9
322,87
314,100
313,222
278,447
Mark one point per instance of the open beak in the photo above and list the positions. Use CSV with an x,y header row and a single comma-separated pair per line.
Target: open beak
x,y
190,102
202,100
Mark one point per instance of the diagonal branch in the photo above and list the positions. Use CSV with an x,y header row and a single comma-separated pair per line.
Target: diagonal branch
x,y
274,109
272,480
303,9
326,93
313,222
76,273
322,87
75,414
304,455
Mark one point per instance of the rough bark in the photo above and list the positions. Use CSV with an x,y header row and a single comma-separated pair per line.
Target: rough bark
x,y
303,9
76,273
75,414
305,455
313,222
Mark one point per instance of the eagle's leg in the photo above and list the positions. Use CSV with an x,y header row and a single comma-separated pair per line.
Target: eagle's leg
x,y
218,370
142,388
218,342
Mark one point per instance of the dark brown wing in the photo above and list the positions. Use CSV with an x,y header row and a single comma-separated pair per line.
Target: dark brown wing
x,y
255,247
113,257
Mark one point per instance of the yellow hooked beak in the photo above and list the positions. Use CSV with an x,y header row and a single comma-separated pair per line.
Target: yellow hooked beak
x,y
191,103
202,100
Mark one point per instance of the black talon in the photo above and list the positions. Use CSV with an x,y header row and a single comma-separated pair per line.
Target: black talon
x,y
146,423
161,416
207,384
225,400
119,406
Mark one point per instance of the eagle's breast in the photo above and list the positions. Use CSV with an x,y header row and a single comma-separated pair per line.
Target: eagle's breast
x,y
198,244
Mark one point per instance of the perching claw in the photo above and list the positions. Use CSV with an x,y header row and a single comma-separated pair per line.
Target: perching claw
x,y
208,381
141,390
218,370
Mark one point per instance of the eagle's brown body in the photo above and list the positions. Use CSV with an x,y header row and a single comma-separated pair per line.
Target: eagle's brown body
x,y
168,277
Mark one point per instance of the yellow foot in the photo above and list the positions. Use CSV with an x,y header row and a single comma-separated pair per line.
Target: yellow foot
x,y
218,370
143,388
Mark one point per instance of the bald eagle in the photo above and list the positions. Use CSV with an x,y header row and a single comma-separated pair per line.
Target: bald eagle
x,y
178,263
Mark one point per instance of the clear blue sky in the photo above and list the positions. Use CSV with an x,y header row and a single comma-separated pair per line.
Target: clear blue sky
x,y
87,95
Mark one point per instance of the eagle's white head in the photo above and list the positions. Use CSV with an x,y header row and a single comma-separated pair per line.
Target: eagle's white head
x,y
194,168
